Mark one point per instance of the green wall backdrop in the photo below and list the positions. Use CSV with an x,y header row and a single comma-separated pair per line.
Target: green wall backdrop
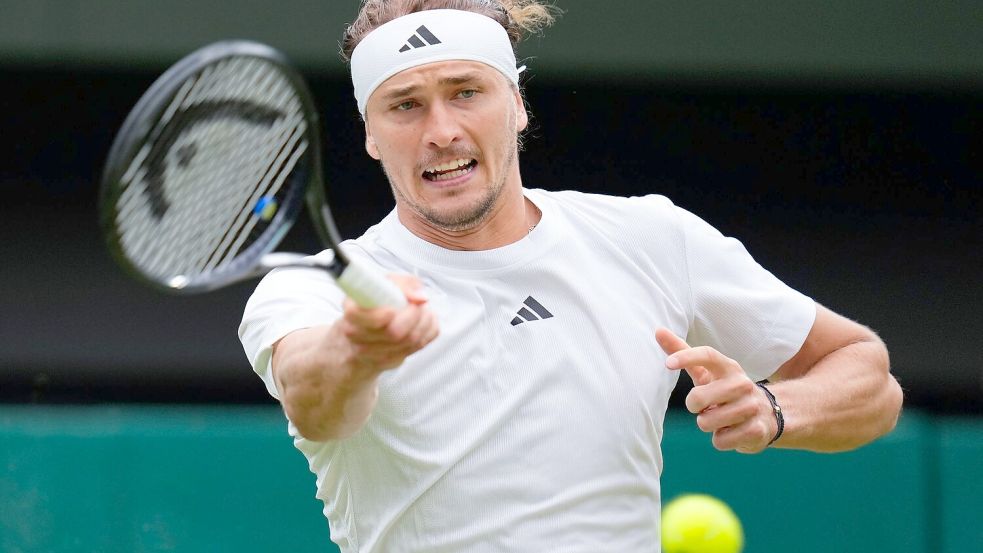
x,y
205,479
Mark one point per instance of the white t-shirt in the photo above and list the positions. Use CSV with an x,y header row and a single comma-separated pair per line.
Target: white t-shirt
x,y
534,421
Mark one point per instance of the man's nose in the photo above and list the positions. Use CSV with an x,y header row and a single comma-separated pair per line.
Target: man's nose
x,y
442,128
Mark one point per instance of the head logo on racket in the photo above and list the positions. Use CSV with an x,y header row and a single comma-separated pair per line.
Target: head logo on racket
x,y
160,161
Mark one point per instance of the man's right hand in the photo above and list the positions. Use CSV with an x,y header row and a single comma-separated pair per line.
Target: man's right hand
x,y
382,337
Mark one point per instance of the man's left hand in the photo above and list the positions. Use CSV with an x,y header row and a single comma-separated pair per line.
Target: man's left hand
x,y
725,401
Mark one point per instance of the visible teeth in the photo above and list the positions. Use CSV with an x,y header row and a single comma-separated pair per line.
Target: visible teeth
x,y
449,166
450,175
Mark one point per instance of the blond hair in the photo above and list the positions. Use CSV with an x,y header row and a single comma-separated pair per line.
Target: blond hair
x,y
520,18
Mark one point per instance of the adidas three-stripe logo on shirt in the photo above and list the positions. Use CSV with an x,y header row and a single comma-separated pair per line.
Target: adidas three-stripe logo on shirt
x,y
531,310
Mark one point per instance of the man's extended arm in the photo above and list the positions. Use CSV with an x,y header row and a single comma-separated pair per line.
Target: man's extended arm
x,y
327,375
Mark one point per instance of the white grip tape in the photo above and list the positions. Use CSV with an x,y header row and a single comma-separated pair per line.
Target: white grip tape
x,y
368,287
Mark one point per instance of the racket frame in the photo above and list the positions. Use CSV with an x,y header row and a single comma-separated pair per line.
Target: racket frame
x,y
306,186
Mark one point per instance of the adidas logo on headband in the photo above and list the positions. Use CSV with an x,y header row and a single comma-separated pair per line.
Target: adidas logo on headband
x,y
422,37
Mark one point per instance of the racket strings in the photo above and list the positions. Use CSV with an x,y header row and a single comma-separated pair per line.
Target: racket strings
x,y
271,177
272,181
229,139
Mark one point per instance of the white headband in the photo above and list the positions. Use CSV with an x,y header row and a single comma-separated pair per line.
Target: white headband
x,y
425,37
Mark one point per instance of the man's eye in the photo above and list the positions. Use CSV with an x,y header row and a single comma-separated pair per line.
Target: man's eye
x,y
407,105
467,93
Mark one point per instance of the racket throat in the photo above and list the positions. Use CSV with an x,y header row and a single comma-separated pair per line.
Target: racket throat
x,y
332,263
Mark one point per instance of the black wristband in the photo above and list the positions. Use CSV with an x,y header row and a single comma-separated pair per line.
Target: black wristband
x,y
775,408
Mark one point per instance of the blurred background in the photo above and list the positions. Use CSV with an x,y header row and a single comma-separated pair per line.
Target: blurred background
x,y
840,141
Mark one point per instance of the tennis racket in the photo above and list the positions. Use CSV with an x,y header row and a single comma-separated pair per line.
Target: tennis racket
x,y
212,167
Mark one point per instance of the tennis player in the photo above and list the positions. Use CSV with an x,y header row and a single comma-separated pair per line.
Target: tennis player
x,y
517,402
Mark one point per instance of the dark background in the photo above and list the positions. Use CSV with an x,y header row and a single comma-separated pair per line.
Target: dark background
x,y
857,186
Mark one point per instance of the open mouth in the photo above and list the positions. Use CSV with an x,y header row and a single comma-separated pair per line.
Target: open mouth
x,y
450,170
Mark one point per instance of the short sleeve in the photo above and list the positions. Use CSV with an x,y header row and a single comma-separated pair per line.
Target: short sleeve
x,y
284,301
738,307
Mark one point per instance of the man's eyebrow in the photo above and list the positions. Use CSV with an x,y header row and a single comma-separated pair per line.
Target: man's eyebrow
x,y
460,79
409,90
400,92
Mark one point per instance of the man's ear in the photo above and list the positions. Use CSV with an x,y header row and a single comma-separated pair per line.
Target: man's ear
x,y
522,117
370,146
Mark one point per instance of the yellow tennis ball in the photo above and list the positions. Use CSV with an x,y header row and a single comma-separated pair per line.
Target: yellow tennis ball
x,y
698,523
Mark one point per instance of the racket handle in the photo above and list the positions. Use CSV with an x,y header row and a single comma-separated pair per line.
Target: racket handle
x,y
369,288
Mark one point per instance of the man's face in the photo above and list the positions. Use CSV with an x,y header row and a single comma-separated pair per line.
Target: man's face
x,y
446,134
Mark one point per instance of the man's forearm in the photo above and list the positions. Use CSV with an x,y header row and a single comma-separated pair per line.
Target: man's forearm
x,y
847,399
323,392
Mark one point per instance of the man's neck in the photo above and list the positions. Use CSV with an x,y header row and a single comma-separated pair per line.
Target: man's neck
x,y
510,220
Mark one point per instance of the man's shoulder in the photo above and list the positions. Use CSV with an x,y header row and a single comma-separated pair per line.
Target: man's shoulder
x,y
648,225
623,209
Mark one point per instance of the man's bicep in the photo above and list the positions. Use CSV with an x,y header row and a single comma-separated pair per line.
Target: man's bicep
x,y
829,332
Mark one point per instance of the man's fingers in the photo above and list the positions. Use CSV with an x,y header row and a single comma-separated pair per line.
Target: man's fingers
x,y
405,332
749,436
375,318
391,353
717,364
669,342
738,418
718,392
411,286
397,325
425,331
413,327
